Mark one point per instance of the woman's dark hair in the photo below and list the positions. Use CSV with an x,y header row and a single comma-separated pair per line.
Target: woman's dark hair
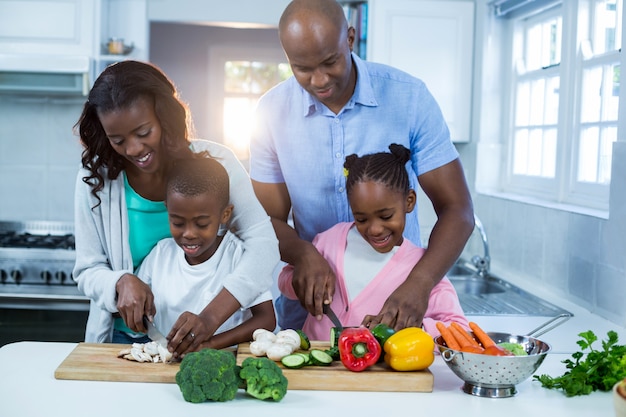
x,y
118,87
200,174
383,167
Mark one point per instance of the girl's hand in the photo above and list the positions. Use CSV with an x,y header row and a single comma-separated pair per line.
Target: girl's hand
x,y
134,300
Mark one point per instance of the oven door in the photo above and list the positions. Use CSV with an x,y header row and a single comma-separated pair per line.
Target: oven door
x,y
27,315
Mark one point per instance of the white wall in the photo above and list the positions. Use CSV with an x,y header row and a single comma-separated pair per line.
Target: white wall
x,y
243,13
39,158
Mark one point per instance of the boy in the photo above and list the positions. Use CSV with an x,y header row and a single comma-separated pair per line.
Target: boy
x,y
187,271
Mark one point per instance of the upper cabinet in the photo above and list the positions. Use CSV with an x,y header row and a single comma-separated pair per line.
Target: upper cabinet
x,y
46,27
47,36
432,40
122,32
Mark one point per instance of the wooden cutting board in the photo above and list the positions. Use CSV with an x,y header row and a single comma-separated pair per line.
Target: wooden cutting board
x,y
337,378
99,362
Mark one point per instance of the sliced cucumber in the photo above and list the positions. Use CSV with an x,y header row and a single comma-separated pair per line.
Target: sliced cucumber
x,y
320,358
294,361
306,356
333,352
305,343
334,336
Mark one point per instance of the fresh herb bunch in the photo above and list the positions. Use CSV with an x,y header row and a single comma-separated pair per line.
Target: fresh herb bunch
x,y
599,370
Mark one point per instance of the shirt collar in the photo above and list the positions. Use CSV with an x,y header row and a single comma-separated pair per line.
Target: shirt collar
x,y
363,92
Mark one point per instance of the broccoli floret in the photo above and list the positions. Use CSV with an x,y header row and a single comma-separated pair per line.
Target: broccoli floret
x,y
208,375
263,379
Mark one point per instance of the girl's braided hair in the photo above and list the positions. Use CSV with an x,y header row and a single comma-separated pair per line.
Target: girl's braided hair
x,y
384,167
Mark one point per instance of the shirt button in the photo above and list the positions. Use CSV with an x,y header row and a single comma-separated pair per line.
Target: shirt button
x,y
337,155
341,189
336,121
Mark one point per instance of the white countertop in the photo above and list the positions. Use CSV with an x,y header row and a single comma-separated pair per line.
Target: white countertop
x,y
28,389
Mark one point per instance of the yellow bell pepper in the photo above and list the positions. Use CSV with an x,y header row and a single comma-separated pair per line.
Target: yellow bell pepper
x,y
409,349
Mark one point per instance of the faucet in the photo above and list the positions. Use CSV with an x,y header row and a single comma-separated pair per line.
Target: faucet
x,y
482,264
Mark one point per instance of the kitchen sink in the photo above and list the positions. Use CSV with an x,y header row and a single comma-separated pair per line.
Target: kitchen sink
x,y
484,294
476,285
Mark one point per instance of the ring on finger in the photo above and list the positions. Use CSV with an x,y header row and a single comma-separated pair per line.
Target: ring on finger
x,y
193,336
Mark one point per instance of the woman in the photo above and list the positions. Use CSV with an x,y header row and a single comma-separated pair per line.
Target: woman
x,y
133,126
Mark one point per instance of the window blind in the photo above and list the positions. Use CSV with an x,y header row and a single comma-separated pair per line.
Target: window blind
x,y
507,9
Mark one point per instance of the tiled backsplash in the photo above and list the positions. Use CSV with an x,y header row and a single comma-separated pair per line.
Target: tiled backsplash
x,y
580,257
39,157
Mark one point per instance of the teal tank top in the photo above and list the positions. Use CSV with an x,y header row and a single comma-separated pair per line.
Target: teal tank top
x,y
148,223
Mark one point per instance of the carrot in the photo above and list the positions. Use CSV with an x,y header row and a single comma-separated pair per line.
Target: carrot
x,y
466,345
483,337
447,336
465,334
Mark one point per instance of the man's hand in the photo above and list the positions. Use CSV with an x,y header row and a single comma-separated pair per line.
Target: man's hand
x,y
134,300
313,281
405,307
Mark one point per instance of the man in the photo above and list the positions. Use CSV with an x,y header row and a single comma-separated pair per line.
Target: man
x,y
335,105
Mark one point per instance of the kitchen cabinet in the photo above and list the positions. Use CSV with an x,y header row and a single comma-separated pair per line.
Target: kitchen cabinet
x,y
432,40
125,21
44,30
46,27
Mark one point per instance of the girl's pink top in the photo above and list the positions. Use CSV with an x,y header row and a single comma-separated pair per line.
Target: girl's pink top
x,y
443,304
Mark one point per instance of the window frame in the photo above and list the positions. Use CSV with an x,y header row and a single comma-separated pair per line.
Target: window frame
x,y
564,188
218,56
533,186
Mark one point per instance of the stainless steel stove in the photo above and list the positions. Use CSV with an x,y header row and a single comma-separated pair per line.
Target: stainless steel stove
x,y
37,291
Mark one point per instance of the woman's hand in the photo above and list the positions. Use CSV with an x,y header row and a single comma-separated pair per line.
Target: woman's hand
x,y
134,300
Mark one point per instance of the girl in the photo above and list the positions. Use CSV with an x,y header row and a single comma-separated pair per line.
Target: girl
x,y
132,127
369,256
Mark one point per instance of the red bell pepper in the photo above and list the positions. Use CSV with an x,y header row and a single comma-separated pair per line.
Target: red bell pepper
x,y
358,348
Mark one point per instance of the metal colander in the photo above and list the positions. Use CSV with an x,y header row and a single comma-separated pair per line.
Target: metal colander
x,y
496,376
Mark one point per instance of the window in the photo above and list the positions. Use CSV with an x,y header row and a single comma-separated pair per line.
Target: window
x,y
238,77
244,83
565,100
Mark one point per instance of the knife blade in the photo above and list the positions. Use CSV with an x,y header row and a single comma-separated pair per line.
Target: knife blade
x,y
153,333
332,316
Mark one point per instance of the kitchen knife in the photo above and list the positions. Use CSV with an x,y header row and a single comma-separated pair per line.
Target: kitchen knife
x,y
332,316
154,333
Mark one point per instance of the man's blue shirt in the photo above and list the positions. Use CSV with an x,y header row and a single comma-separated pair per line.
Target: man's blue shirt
x,y
300,142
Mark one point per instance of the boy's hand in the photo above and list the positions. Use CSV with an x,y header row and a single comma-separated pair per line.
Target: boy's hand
x,y
188,334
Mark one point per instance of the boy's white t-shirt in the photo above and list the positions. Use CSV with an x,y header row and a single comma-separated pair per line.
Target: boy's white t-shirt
x,y
179,287
362,262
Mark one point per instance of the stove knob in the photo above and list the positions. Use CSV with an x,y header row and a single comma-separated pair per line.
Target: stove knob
x,y
16,274
46,276
60,276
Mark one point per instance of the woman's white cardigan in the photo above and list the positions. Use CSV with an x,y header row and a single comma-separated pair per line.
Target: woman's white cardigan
x,y
103,250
